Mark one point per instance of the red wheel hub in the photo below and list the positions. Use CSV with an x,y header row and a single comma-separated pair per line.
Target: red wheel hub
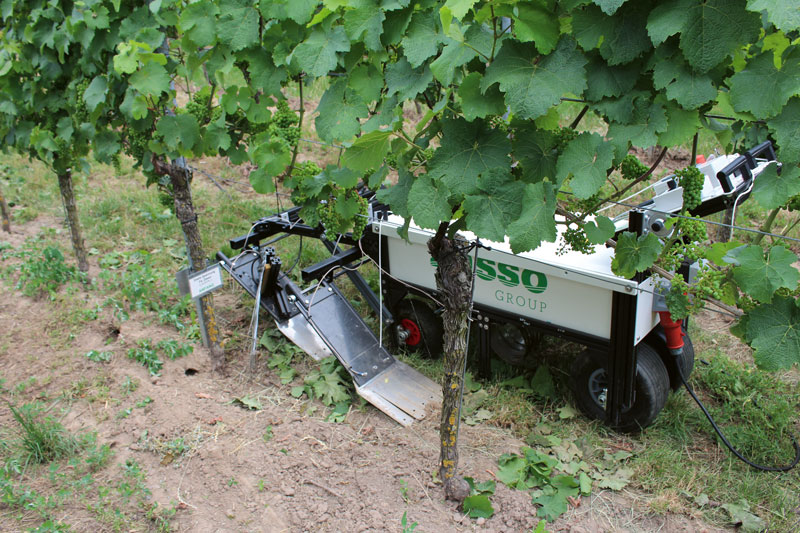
x,y
414,334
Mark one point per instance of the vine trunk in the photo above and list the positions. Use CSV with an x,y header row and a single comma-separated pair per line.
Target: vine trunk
x,y
454,281
68,198
6,216
185,213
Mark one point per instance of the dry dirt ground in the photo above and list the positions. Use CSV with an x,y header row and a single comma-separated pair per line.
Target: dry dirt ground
x,y
310,475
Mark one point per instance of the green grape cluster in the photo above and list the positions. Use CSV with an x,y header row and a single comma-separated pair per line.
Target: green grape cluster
x,y
136,147
391,159
631,168
306,169
334,223
563,137
81,113
361,220
708,283
692,230
200,107
691,179
575,239
284,124
679,299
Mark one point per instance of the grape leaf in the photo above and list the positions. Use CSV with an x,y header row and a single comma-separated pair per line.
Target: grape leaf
x,y
95,93
407,82
367,151
477,38
299,11
648,120
552,505
607,80
533,84
478,506
538,24
339,110
475,104
467,150
498,201
151,80
238,27
759,274
714,30
366,81
367,20
316,55
396,197
784,14
687,87
535,223
620,39
329,389
180,132
427,202
536,151
635,254
198,23
586,158
609,7
599,230
422,39
667,19
787,131
459,8
773,330
761,88
771,190
682,124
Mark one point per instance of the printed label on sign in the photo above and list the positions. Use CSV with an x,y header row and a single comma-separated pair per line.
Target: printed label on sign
x,y
205,281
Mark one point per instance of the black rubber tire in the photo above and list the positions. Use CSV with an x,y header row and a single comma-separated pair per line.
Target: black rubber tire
x,y
417,314
652,387
513,343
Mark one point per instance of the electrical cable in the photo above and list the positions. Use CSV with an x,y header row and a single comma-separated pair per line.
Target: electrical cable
x,y
727,443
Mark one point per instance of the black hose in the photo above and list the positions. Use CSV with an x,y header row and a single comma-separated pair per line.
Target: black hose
x,y
736,452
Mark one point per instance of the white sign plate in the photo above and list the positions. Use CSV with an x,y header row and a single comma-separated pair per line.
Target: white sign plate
x,y
205,281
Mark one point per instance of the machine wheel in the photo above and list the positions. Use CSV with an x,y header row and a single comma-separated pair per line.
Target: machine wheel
x,y
418,328
590,386
512,343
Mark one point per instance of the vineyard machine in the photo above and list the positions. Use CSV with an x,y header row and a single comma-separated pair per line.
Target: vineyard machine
x,y
623,374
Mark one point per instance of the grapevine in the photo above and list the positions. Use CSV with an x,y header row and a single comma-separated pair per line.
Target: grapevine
x,y
334,223
200,107
631,168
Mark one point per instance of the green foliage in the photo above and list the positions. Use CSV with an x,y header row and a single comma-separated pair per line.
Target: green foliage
x,y
330,384
146,354
42,272
40,439
477,504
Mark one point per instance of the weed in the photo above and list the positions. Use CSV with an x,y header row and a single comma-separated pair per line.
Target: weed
x,y
407,528
129,385
99,357
261,485
267,436
404,490
232,482
40,440
173,349
43,273
146,354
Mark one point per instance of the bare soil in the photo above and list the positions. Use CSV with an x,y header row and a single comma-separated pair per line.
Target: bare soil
x,y
280,468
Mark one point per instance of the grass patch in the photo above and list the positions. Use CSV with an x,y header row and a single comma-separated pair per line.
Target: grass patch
x,y
38,439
